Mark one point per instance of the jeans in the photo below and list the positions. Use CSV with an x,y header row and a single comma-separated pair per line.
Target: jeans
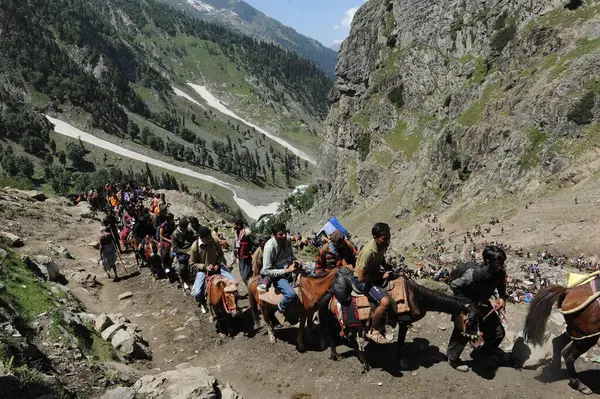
x,y
289,295
198,291
245,266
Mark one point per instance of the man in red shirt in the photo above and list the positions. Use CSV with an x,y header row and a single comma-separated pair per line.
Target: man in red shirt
x,y
243,248
336,253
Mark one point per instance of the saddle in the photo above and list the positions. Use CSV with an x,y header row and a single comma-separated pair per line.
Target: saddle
x,y
396,289
570,306
273,295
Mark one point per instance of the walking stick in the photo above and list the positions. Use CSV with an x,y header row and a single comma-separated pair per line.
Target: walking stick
x,y
119,255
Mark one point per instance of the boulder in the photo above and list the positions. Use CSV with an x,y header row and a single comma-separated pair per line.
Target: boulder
x,y
123,341
102,322
119,393
60,251
124,372
36,195
125,295
229,393
3,253
530,356
84,210
52,268
11,239
86,279
111,331
190,383
141,351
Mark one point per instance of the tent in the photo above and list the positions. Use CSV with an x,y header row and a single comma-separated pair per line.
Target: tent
x,y
332,225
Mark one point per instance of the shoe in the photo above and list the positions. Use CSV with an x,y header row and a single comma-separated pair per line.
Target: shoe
x,y
457,365
377,337
203,309
280,316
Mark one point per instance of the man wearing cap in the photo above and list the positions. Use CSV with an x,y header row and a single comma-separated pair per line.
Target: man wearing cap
x,y
336,253
207,257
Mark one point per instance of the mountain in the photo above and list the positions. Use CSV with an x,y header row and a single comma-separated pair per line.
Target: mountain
x,y
246,19
336,47
460,108
109,68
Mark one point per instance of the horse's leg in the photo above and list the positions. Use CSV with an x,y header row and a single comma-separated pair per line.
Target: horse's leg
x,y
361,343
253,309
578,348
402,330
300,338
267,318
558,344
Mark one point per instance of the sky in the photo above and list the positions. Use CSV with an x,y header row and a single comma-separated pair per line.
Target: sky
x,y
328,21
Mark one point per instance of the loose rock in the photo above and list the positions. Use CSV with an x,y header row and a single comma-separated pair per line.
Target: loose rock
x,y
125,295
11,239
102,322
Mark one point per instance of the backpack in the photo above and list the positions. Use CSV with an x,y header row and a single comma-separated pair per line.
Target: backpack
x,y
460,270
342,286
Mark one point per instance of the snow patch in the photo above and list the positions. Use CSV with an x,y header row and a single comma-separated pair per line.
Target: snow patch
x,y
214,102
200,6
187,97
253,211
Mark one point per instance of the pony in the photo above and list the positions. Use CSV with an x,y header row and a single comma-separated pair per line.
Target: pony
x,y
311,290
581,310
420,300
223,296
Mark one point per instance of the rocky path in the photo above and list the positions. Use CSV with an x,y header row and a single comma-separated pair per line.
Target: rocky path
x,y
179,336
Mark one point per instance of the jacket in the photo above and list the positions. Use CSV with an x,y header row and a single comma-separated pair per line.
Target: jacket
x,y
181,241
202,255
329,258
276,259
478,284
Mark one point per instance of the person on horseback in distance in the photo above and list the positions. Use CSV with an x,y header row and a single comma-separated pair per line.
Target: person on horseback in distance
x,y
370,274
475,288
279,263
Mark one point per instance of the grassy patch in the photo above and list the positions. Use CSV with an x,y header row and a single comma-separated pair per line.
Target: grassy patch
x,y
361,118
479,73
401,140
583,47
530,159
24,291
364,146
474,114
15,182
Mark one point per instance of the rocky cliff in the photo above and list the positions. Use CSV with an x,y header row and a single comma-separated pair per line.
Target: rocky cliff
x,y
448,105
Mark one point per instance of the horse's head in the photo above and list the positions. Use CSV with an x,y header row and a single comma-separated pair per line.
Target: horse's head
x,y
467,323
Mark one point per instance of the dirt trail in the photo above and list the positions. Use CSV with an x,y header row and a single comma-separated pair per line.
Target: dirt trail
x,y
177,334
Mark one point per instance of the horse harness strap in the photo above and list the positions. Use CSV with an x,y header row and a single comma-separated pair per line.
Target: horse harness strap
x,y
595,296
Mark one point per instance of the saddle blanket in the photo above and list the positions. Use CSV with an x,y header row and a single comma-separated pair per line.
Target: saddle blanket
x,y
274,296
396,289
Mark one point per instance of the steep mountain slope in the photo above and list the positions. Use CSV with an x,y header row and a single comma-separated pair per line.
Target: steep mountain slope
x,y
109,67
460,107
246,19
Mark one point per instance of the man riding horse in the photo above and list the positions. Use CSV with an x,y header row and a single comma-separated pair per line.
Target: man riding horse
x,y
370,274
336,253
207,257
475,287
279,263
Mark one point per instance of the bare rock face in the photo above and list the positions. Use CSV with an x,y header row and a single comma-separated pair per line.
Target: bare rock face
x,y
434,100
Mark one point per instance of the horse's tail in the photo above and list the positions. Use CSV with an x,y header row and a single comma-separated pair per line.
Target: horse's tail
x,y
539,311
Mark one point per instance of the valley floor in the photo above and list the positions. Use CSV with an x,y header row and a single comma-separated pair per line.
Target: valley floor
x,y
178,334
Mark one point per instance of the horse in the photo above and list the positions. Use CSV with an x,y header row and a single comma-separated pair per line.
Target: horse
x,y
420,300
581,310
311,290
222,295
